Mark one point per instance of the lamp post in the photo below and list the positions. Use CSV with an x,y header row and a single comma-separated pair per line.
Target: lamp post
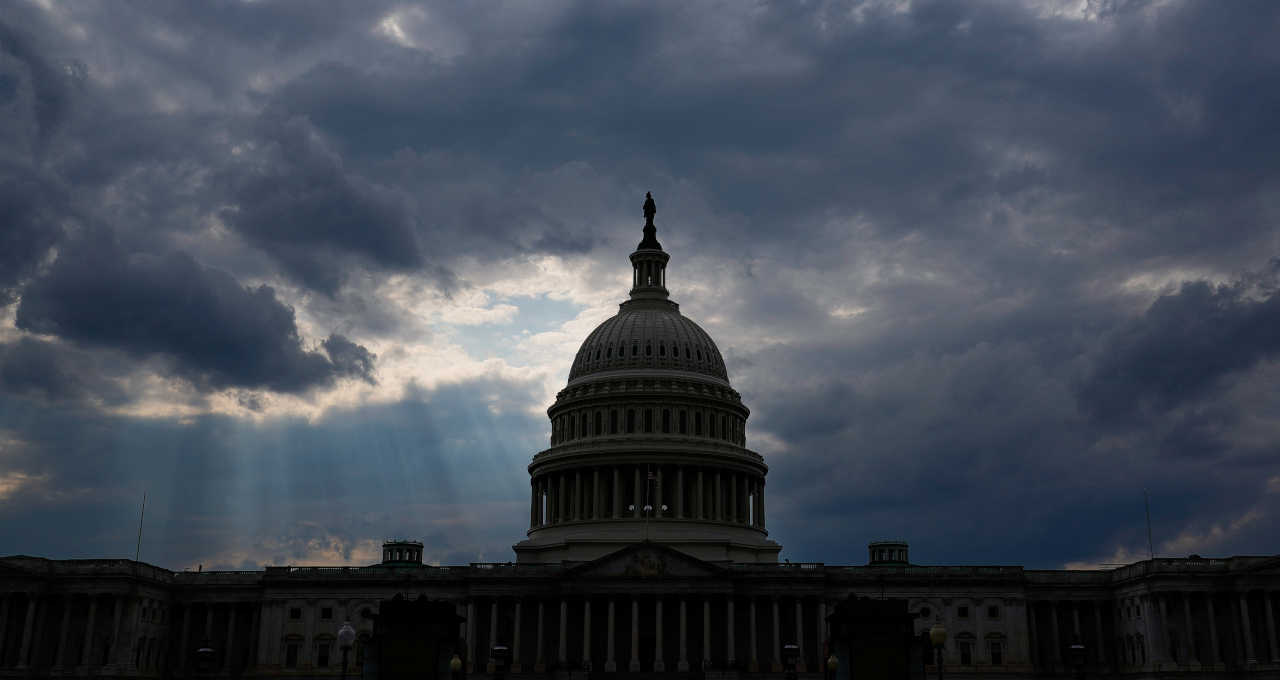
x,y
791,657
938,636
455,666
500,654
1077,656
204,657
833,664
346,638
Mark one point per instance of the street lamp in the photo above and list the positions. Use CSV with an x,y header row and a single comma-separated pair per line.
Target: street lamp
x,y
938,636
1077,656
791,657
455,665
500,654
833,663
346,638
204,657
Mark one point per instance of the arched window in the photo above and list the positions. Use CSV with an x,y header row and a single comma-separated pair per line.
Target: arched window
x,y
662,350
608,353
648,349
635,350
684,422
697,423
631,421
599,430
711,425
648,420
666,421
613,421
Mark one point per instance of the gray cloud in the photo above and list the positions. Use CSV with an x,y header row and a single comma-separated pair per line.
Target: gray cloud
x,y
216,332
987,187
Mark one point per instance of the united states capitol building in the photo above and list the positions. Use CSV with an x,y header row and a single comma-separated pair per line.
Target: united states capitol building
x,y
647,554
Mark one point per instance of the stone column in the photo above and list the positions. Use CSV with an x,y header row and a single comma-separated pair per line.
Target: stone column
x,y
118,611
820,632
702,506
60,655
516,666
657,489
597,499
610,662
639,494
777,637
682,664
659,665
471,635
562,498
86,650
1249,656
1166,625
1033,636
753,658
761,513
539,661
634,666
717,512
24,648
231,637
586,632
1271,627
617,492
1215,655
1057,639
680,491
1101,654
731,653
533,503
493,634
577,495
733,498
706,632
563,656
1193,655
800,665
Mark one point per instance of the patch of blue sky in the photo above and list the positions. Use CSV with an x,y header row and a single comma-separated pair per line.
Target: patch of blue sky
x,y
535,314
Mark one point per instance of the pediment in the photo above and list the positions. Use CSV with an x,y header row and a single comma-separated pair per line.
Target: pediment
x,y
646,561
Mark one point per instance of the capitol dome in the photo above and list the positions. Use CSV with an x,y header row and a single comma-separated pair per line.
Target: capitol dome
x,y
648,440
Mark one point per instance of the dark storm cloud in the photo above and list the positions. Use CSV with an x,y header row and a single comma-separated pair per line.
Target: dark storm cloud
x,y
216,332
983,182
1184,344
295,201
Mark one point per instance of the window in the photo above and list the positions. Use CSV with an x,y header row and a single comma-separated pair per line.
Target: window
x,y
997,653
635,350
648,350
631,421
962,612
322,655
684,422
599,423
925,612
993,612
608,354
648,420
613,422
295,613
291,655
666,421
711,425
662,349
697,424
326,613
966,652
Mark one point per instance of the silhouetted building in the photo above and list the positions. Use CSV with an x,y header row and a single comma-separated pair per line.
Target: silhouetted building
x,y
647,553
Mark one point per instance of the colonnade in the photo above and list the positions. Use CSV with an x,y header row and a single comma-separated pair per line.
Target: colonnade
x,y
580,423
66,631
1187,629
645,632
690,492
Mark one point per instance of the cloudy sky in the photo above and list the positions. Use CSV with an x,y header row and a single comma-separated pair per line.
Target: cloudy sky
x,y
309,274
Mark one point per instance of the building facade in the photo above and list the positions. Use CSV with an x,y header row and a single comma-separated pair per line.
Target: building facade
x,y
647,554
